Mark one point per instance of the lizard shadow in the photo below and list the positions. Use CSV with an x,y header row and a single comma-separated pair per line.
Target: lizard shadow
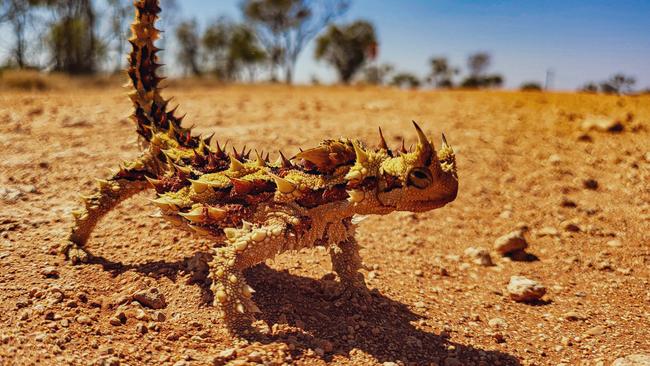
x,y
196,266
310,316
381,327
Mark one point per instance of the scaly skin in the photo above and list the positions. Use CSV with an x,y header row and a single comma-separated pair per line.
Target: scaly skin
x,y
255,208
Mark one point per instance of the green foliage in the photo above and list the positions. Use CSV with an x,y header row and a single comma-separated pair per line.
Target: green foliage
x,y
284,27
616,84
230,48
187,36
441,73
531,86
346,47
477,65
590,87
377,75
406,80
73,44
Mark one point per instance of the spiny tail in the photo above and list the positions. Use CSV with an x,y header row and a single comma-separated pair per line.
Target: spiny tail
x,y
151,114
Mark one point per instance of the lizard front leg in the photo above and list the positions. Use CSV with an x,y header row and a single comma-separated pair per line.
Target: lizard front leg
x,y
346,262
246,247
108,194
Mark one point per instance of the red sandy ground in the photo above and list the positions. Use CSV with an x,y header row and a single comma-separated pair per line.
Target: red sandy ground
x,y
431,304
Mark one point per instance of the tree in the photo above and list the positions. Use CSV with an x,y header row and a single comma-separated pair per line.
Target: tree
x,y
19,13
441,73
285,27
406,80
187,36
590,87
73,43
216,41
531,86
120,11
377,74
244,51
346,47
477,65
618,84
230,48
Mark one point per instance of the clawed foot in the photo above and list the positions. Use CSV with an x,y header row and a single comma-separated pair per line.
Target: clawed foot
x,y
75,253
359,293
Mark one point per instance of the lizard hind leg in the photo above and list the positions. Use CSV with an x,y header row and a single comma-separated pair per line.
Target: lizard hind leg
x,y
108,194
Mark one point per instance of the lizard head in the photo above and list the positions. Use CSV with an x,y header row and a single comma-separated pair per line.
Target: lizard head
x,y
421,180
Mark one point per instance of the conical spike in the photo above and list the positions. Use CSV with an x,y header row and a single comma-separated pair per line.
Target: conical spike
x,y
284,186
362,156
285,163
444,144
195,215
382,141
219,151
183,169
208,140
235,164
155,183
260,160
199,186
164,203
424,147
241,186
216,213
403,148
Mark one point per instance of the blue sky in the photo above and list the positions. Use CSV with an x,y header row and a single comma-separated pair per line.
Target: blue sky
x,y
579,40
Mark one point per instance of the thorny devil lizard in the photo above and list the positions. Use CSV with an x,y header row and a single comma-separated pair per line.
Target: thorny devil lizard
x,y
253,208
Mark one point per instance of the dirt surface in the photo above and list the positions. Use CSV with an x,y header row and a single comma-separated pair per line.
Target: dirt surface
x,y
524,162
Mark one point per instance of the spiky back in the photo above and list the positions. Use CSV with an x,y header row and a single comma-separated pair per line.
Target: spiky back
x,y
151,114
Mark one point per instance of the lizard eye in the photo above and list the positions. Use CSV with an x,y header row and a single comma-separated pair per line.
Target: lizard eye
x,y
420,177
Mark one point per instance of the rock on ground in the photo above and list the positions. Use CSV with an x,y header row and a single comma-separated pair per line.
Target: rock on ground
x,y
511,242
633,360
523,289
151,298
603,124
480,256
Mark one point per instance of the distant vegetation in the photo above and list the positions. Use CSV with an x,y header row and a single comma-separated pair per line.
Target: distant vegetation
x,y
347,47
86,37
616,84
531,86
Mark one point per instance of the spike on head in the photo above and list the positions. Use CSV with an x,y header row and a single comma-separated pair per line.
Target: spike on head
x,y
415,181
382,141
444,144
361,155
424,147
402,149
